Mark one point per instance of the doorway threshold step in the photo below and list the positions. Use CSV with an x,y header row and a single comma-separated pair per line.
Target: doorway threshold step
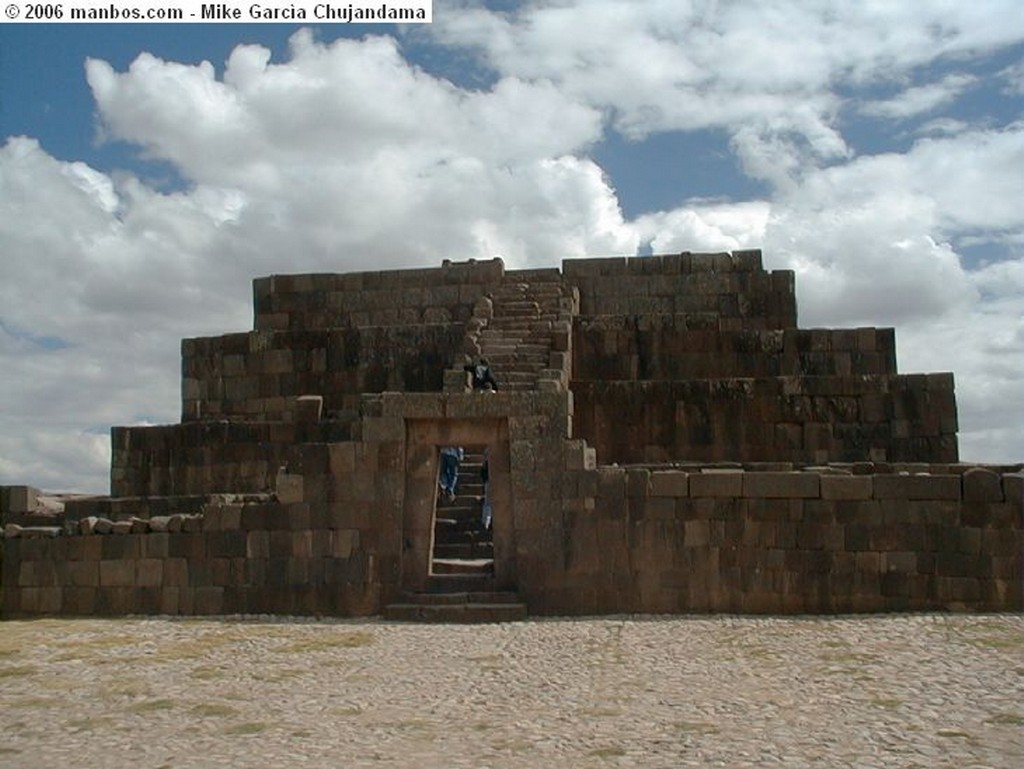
x,y
472,612
463,566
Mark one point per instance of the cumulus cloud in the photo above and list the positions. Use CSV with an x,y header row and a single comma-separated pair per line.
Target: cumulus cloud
x,y
918,99
347,154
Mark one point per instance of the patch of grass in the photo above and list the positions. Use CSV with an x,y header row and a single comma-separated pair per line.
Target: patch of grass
x,y
514,745
889,703
214,710
89,723
129,687
251,727
610,752
328,642
347,710
278,675
1001,643
1008,719
600,712
413,724
835,644
954,733
151,706
699,727
18,671
206,673
36,702
847,657
78,648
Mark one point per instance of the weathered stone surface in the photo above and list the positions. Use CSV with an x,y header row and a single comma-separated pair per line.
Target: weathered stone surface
x,y
716,484
645,452
917,487
289,488
781,485
981,485
846,486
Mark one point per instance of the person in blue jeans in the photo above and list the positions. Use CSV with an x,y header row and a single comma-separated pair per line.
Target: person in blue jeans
x,y
451,457
486,512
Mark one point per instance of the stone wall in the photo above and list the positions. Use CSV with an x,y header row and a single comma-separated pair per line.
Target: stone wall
x,y
793,419
650,540
258,375
610,348
320,431
444,294
725,291
232,557
346,526
338,538
203,457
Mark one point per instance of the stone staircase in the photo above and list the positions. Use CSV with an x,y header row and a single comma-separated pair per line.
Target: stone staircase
x,y
461,585
461,544
525,333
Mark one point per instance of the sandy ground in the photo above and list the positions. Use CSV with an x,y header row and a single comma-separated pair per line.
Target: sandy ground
x,y
886,691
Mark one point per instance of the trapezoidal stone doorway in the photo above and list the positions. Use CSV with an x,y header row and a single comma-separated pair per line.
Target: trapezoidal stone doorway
x,y
422,566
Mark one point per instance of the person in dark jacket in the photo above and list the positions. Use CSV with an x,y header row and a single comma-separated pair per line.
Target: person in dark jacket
x,y
483,378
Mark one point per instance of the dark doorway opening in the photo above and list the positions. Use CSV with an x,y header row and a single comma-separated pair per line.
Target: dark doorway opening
x,y
463,540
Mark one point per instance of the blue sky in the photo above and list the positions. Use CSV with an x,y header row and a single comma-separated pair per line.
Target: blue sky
x,y
149,172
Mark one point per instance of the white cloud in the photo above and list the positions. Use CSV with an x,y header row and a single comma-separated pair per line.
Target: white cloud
x,y
345,155
923,98
706,226
665,64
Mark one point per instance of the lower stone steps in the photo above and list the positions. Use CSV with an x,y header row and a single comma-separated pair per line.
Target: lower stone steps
x,y
466,550
461,606
470,566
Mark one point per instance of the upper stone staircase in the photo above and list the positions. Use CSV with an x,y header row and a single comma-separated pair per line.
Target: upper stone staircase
x,y
527,335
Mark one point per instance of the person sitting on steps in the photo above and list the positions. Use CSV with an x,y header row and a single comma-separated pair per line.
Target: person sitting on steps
x,y
483,377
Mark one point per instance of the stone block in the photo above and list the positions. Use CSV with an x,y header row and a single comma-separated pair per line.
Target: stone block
x,y
917,487
781,485
19,499
900,560
696,533
85,548
669,483
150,572
208,600
80,601
289,488
308,408
119,573
980,485
1013,489
382,429
858,487
579,456
190,546
716,484
127,546
82,573
638,482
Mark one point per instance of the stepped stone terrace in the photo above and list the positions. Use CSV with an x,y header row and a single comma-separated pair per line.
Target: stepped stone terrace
x,y
664,438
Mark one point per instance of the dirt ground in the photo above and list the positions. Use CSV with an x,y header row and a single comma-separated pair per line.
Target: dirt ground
x,y
885,691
